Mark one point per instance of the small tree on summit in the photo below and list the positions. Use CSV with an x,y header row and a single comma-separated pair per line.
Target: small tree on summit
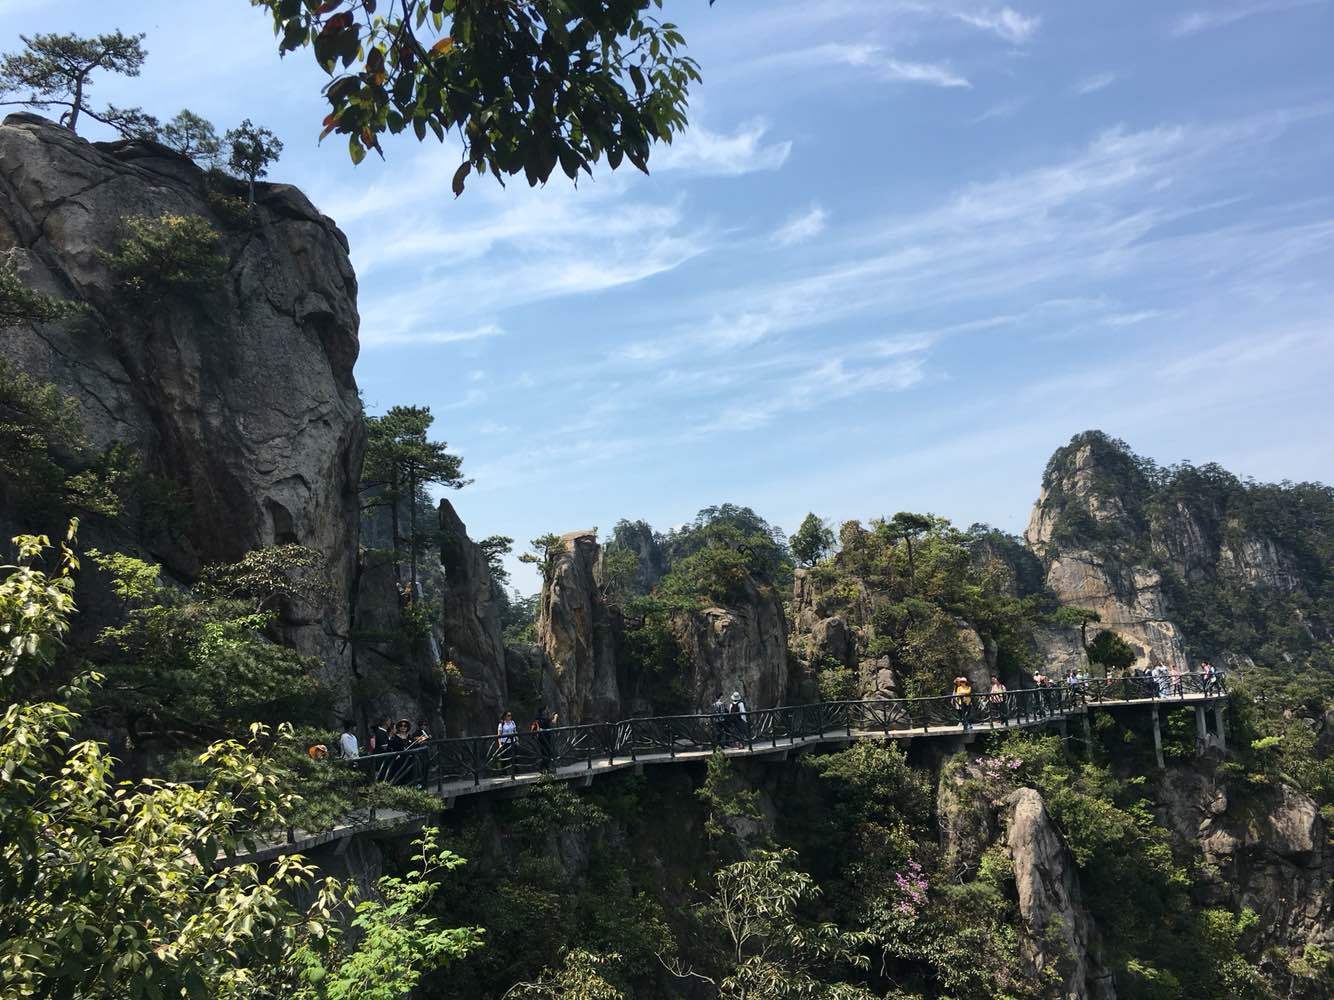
x,y
56,71
812,541
192,136
250,150
908,526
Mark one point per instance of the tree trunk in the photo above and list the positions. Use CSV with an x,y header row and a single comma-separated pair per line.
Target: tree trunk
x,y
76,105
394,497
251,181
412,518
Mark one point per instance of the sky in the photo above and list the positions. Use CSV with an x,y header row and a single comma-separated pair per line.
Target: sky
x,y
904,251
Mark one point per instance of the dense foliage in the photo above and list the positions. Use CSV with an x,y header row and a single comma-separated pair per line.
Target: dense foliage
x,y
524,86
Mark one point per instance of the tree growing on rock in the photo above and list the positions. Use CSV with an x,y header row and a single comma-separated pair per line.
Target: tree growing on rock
x,y
55,71
813,540
251,150
401,461
909,527
192,135
525,86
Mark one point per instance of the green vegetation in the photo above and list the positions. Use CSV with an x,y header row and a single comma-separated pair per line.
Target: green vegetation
x,y
55,71
169,254
21,304
192,135
812,542
251,150
110,889
523,90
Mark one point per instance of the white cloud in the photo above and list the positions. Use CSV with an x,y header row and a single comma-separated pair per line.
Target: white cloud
x,y
1093,84
801,228
1005,109
390,326
1195,21
1007,23
702,151
1131,318
882,65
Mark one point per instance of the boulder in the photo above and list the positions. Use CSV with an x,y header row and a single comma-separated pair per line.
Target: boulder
x,y
831,640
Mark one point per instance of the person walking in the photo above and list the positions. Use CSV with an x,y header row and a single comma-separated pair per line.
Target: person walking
x,y
545,722
347,742
739,719
507,734
998,701
420,741
718,719
380,745
399,742
963,702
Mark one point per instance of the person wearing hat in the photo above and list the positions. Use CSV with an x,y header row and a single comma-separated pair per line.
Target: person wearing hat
x,y
963,702
739,718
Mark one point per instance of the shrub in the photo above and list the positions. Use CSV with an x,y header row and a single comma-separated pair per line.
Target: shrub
x,y
167,254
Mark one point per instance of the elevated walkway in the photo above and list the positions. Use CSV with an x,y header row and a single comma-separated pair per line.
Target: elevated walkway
x,y
488,765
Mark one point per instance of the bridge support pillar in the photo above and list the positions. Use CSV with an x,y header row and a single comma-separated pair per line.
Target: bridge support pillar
x,y
1201,729
1219,709
1158,740
1088,735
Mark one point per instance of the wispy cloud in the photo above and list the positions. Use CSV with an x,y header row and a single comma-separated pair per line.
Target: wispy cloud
x,y
884,66
1093,84
1005,109
1195,21
1007,23
415,327
800,228
702,151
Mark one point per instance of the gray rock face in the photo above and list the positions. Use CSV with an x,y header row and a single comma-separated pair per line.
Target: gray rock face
x,y
470,629
1274,859
577,631
741,648
1057,932
242,393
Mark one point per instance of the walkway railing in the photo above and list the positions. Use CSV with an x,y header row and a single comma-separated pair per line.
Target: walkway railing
x,y
449,766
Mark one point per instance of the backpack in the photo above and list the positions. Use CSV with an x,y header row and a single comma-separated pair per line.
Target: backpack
x,y
735,709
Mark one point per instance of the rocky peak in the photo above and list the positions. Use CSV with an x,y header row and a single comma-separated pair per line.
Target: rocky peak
x,y
241,393
578,630
1094,482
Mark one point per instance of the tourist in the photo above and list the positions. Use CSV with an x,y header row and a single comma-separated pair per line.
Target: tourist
x,y
718,719
998,701
347,742
399,741
380,745
1162,684
318,752
546,720
1209,679
507,734
420,739
740,720
963,702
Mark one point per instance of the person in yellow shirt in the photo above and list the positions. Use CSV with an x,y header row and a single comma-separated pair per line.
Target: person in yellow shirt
x,y
963,702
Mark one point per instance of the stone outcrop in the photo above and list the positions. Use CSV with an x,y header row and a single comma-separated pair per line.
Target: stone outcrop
x,y
1057,932
578,632
472,645
241,394
1272,856
740,648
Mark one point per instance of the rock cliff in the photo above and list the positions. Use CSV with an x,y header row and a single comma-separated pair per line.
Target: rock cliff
x,y
578,632
1149,549
242,394
741,648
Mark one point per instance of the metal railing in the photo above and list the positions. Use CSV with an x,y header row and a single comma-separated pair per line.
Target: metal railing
x,y
472,760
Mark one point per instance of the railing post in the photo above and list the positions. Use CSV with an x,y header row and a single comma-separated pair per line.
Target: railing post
x,y
791,726
474,751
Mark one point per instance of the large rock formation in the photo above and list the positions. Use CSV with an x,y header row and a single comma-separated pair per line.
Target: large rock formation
x,y
1271,855
242,394
578,633
1057,932
470,625
741,648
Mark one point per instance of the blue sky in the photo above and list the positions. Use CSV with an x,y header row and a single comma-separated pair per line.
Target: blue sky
x,y
905,251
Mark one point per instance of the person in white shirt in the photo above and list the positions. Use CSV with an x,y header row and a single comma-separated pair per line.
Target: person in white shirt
x,y
347,742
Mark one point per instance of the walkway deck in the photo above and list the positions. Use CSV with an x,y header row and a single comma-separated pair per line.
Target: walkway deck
x,y
482,765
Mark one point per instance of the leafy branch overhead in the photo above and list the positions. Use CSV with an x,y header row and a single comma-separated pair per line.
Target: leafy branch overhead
x,y
524,85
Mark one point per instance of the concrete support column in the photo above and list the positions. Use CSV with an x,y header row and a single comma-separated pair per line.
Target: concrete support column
x,y
1158,740
1088,735
1201,729
1219,709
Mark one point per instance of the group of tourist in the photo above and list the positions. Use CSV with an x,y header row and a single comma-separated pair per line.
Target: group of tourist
x,y
389,737
507,736
730,721
962,700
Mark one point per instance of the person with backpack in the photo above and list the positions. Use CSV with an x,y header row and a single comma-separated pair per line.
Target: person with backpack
x,y
718,720
546,744
739,720
380,745
507,734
